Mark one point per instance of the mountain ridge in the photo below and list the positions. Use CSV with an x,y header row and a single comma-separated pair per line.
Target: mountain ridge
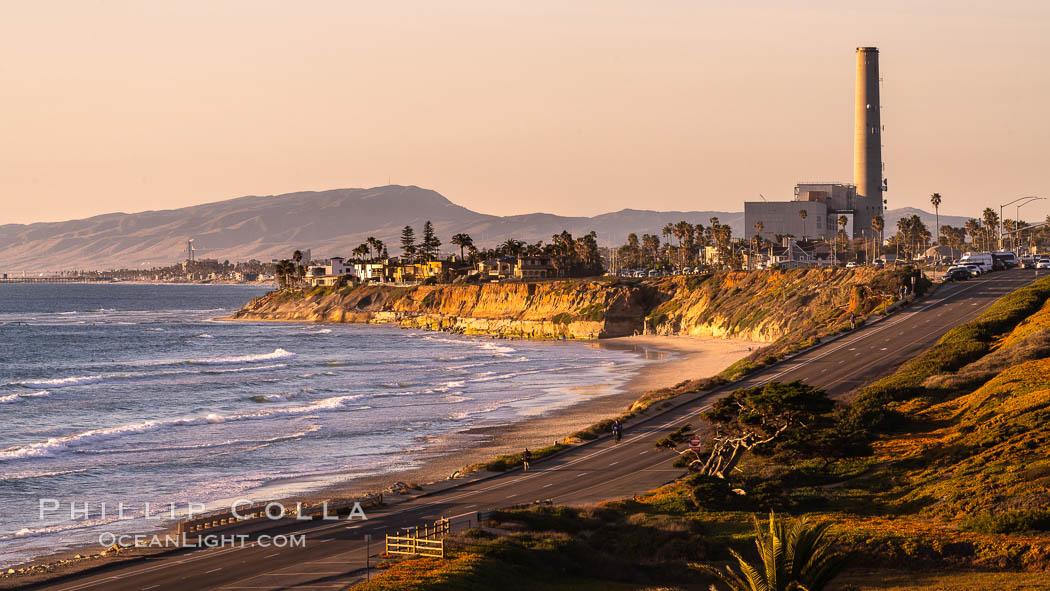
x,y
329,223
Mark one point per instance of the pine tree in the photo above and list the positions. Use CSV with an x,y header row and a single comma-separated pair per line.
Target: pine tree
x,y
430,245
408,243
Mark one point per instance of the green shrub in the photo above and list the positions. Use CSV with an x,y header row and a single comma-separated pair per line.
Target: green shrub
x,y
1008,522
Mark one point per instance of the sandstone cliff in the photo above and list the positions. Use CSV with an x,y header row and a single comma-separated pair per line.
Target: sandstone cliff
x,y
761,306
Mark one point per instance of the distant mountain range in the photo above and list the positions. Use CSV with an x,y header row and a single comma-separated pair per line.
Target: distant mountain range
x,y
329,223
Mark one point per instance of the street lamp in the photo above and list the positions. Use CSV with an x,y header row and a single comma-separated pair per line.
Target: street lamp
x,y
1017,217
1029,199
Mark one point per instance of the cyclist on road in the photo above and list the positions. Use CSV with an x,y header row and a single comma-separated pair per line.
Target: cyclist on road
x,y
617,429
526,457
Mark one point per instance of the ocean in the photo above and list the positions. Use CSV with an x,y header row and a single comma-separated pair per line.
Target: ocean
x,y
134,394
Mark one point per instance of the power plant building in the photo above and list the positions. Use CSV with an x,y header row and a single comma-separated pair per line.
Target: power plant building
x,y
826,203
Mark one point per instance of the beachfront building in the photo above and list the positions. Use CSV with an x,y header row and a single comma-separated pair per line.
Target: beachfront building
x,y
534,267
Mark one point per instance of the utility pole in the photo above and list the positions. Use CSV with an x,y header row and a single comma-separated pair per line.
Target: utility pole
x,y
368,553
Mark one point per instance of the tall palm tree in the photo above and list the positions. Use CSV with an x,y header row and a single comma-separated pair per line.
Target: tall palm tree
x,y
991,220
935,200
803,214
877,224
758,234
843,220
793,556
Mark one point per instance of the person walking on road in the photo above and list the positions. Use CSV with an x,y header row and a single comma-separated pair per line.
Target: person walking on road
x,y
526,457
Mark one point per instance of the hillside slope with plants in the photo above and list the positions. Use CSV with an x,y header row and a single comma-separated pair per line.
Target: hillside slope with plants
x,y
944,483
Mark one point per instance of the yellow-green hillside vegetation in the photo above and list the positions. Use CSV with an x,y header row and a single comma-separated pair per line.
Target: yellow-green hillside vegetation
x,y
953,491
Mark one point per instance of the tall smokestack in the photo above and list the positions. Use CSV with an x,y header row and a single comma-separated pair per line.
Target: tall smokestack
x,y
867,135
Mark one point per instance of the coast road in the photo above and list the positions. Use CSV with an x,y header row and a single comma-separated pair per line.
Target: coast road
x,y
590,473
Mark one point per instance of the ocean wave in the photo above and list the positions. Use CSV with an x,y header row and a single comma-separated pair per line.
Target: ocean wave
x,y
70,381
27,532
273,397
36,474
198,446
244,369
448,386
481,344
72,442
95,379
204,336
320,331
18,397
276,354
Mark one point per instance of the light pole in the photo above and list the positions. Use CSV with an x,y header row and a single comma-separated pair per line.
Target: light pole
x,y
1029,198
1017,217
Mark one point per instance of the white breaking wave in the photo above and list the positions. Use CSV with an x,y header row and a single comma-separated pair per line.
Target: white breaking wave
x,y
227,443
204,336
277,354
71,381
321,331
243,369
71,442
9,398
36,474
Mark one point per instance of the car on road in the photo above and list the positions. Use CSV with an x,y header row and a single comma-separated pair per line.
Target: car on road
x,y
956,274
1044,263
851,265
1028,261
975,270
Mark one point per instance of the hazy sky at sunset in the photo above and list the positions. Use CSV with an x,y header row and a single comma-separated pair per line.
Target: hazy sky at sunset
x,y
573,108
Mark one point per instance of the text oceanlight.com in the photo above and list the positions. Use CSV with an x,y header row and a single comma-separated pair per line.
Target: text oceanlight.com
x,y
109,539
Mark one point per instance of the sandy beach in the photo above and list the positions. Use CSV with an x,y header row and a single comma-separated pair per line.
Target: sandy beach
x,y
674,359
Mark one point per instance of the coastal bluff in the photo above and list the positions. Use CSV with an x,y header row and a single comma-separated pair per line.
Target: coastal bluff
x,y
759,306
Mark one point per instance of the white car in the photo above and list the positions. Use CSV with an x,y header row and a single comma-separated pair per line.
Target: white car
x,y
1043,264
851,265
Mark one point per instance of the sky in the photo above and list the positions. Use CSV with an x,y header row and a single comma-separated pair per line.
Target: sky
x,y
573,108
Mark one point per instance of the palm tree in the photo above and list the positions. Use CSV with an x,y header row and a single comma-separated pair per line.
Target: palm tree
x,y
803,214
877,225
462,241
758,232
843,220
793,556
376,245
935,200
360,251
973,228
991,220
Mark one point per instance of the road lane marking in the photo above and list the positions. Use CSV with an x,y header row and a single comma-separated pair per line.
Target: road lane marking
x,y
214,570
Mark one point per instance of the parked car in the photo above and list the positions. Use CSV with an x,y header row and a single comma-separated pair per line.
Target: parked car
x,y
975,270
851,265
956,274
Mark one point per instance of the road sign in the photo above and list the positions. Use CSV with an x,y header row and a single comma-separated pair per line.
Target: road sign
x,y
694,443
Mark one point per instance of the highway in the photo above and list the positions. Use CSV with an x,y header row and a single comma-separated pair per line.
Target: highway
x,y
586,474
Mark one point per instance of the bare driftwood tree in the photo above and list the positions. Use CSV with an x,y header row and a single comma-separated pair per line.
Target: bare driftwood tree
x,y
764,419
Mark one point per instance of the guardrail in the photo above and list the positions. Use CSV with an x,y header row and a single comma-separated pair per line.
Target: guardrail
x,y
255,513
415,546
